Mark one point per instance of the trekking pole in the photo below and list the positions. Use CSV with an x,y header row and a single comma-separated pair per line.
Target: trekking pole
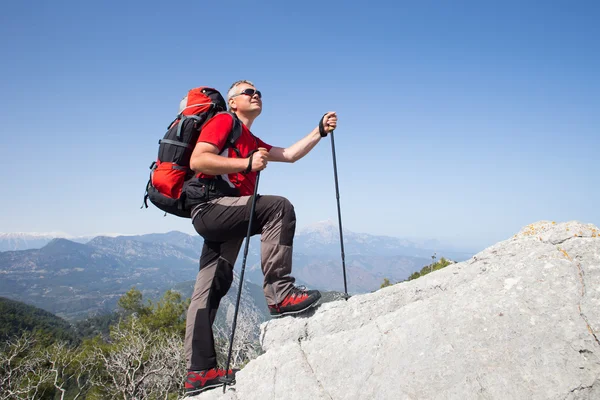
x,y
226,380
337,196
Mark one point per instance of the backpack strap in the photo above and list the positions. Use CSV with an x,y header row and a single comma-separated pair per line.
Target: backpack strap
x,y
183,118
234,134
176,143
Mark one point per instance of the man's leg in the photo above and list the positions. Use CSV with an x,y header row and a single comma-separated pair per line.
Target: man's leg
x,y
212,283
278,221
275,219
227,217
277,237
219,224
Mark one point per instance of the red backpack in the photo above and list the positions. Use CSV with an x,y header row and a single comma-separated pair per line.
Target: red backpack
x,y
170,175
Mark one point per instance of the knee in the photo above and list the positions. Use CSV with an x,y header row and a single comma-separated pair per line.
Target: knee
x,y
280,220
223,278
287,207
288,222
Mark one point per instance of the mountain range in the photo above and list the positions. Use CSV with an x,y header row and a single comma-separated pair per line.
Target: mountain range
x,y
78,276
13,241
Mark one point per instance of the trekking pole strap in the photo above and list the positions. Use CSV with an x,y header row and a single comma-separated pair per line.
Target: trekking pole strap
x,y
249,167
321,127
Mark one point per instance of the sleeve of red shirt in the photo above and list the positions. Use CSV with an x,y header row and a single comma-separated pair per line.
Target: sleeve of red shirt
x,y
216,130
263,144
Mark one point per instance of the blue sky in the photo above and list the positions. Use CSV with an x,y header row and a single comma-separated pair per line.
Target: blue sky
x,y
461,121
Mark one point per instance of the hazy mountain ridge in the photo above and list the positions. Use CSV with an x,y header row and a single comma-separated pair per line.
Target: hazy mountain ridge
x,y
14,241
70,278
174,238
133,247
319,238
326,233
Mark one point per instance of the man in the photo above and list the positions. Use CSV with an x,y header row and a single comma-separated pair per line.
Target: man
x,y
223,223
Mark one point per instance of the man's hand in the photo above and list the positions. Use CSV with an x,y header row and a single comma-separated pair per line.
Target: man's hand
x,y
259,159
329,121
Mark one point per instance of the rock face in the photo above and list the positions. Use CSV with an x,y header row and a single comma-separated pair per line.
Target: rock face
x,y
520,320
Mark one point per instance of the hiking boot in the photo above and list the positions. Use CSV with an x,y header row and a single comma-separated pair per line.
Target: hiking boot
x,y
199,381
298,299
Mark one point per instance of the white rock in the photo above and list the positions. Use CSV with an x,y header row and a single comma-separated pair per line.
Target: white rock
x,y
520,320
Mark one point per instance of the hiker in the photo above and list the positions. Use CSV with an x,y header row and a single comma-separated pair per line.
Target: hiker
x,y
223,220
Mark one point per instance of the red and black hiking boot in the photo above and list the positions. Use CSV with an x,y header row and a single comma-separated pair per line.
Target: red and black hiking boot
x,y
299,299
199,381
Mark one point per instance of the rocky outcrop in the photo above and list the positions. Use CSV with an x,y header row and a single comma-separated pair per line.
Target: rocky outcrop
x,y
520,320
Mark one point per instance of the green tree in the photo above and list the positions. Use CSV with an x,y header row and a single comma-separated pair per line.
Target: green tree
x,y
386,283
414,275
131,303
442,263
167,314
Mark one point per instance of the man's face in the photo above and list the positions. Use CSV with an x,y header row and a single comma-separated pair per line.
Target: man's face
x,y
246,99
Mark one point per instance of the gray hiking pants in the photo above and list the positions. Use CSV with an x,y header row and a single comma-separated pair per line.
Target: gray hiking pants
x,y
223,223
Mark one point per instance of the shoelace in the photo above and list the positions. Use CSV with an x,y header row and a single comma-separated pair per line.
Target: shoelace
x,y
295,292
299,290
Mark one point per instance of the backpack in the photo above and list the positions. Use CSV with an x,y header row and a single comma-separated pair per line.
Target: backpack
x,y
172,186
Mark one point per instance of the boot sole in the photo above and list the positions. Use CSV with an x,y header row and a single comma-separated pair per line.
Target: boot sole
x,y
195,392
316,303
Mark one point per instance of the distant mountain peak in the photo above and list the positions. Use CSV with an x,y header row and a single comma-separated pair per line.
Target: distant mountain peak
x,y
62,242
62,247
29,240
319,227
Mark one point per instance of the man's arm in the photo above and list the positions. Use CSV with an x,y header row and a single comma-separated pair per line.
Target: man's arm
x,y
303,146
206,159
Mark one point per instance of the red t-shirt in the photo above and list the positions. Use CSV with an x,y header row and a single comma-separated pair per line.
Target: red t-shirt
x,y
215,132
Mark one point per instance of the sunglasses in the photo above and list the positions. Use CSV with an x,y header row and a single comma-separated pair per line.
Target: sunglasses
x,y
249,92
